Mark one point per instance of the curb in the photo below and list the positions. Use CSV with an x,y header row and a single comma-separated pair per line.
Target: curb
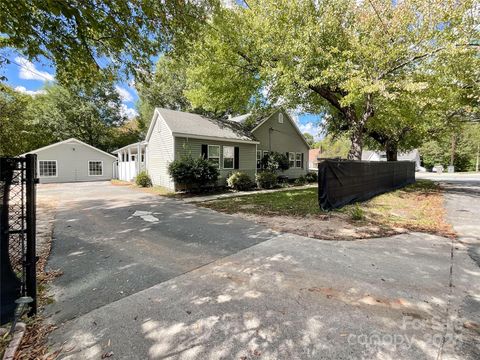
x,y
12,347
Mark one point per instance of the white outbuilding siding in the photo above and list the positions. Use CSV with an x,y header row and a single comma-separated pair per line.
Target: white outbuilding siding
x,y
71,161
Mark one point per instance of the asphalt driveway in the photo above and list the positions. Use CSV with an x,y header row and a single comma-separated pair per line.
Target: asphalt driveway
x,y
411,296
112,241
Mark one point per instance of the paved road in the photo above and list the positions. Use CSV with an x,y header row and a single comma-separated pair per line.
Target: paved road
x,y
288,297
111,242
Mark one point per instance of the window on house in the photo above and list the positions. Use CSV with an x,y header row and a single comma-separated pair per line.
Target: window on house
x,y
228,157
132,157
291,159
123,157
142,158
280,118
95,168
47,168
259,159
298,159
214,155
265,152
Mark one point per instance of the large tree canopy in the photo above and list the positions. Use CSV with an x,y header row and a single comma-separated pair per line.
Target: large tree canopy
x,y
83,37
92,114
346,57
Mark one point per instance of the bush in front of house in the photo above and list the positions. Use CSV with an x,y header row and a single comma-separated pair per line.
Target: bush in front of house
x,y
275,161
240,181
193,173
266,179
302,180
311,177
143,179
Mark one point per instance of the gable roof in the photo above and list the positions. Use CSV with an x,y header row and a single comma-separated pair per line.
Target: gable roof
x,y
294,124
66,142
193,125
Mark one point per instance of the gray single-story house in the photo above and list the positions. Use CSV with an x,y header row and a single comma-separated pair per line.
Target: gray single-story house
x,y
73,160
173,134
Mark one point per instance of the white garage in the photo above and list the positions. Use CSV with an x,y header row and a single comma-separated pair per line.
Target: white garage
x,y
73,160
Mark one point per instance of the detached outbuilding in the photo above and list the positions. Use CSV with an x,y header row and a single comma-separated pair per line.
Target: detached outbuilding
x,y
73,160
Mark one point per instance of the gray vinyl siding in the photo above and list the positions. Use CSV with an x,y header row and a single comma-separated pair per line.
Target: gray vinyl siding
x,y
160,154
72,162
247,154
284,138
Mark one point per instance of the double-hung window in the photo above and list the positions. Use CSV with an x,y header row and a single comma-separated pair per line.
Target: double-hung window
x,y
259,159
95,168
214,155
298,160
291,159
47,168
228,157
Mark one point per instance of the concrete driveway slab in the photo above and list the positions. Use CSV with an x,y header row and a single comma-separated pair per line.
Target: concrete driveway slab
x,y
290,298
112,241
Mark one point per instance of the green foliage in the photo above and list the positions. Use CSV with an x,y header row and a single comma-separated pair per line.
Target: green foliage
x,y
439,150
274,161
16,129
143,179
240,181
311,177
75,35
193,173
356,212
346,58
266,179
333,147
164,88
310,139
301,180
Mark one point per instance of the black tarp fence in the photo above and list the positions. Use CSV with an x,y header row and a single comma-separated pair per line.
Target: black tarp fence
x,y
341,182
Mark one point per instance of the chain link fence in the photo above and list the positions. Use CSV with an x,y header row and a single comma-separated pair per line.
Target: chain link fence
x,y
17,233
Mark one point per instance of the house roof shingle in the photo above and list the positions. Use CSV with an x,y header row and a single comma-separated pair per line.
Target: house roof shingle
x,y
193,124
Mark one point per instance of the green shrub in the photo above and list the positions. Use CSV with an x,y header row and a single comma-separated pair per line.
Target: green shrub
x,y
193,173
143,179
311,177
302,180
266,179
240,181
356,212
274,161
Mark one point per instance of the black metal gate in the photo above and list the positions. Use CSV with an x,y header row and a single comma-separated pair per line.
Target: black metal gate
x,y
17,234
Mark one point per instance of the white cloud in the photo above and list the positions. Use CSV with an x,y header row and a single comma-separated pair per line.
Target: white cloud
x,y
28,71
129,113
308,127
23,90
124,94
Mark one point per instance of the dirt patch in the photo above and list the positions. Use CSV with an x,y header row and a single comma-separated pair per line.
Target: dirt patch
x,y
334,227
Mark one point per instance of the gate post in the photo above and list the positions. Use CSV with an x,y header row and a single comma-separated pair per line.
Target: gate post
x,y
31,258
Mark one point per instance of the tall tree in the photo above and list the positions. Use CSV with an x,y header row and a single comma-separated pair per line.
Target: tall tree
x,y
164,88
16,130
83,37
89,114
343,56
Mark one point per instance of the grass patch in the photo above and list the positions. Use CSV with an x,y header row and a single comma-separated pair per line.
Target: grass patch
x,y
417,207
289,202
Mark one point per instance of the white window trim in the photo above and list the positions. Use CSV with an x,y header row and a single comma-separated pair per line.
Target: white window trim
x,y
259,166
298,167
208,154
233,158
88,169
48,176
294,160
280,118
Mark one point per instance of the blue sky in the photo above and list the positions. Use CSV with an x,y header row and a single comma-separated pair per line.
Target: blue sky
x,y
30,77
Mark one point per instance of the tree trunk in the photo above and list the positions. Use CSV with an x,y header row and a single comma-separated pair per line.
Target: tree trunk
x,y
356,139
391,149
452,154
